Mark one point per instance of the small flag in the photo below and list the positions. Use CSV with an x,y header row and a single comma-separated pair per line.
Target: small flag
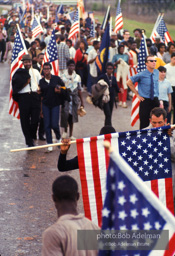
x,y
36,27
19,50
75,28
118,19
51,54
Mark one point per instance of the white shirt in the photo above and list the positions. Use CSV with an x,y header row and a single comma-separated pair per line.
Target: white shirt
x,y
170,73
35,77
72,52
93,69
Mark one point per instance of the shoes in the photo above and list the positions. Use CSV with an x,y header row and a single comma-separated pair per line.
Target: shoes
x,y
124,105
64,135
120,103
49,149
89,100
41,137
72,138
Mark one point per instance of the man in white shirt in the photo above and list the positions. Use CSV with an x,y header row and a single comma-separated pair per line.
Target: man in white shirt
x,y
92,66
170,67
72,50
25,86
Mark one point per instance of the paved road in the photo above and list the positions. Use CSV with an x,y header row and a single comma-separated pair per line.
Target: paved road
x,y
26,177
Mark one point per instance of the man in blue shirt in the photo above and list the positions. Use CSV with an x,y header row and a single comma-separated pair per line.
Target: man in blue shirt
x,y
148,89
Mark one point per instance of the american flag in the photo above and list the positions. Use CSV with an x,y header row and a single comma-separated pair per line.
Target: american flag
x,y
163,31
118,19
140,67
36,27
130,206
51,54
75,28
19,50
146,151
160,30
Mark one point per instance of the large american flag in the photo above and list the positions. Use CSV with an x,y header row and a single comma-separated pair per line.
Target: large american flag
x,y
146,151
75,28
130,206
118,19
36,27
140,67
19,50
51,54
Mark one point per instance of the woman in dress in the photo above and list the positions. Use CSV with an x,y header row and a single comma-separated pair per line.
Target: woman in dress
x,y
116,61
69,114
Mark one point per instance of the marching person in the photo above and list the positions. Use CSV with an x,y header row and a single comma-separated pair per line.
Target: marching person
x,y
25,85
148,89
69,114
53,97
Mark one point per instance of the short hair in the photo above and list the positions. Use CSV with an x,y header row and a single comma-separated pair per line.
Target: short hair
x,y
120,46
138,29
107,129
146,59
95,42
159,46
43,44
69,62
32,43
109,64
162,69
41,53
173,55
37,39
47,64
69,40
158,112
112,40
125,30
65,188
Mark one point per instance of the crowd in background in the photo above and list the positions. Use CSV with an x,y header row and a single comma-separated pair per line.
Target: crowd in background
x,y
123,56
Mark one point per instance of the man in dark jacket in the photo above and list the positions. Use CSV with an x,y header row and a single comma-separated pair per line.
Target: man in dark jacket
x,y
25,86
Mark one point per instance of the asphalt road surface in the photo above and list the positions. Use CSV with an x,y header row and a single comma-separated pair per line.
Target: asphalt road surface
x,y
26,207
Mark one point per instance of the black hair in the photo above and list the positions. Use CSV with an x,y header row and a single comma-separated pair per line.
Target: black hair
x,y
32,43
169,46
69,40
62,38
173,55
47,64
107,129
138,29
158,112
43,45
162,69
41,53
65,188
69,62
159,46
120,46
38,40
95,42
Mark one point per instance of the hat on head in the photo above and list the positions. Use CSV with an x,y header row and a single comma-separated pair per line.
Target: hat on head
x,y
26,57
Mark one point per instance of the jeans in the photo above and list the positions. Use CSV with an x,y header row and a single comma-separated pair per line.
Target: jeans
x,y
51,121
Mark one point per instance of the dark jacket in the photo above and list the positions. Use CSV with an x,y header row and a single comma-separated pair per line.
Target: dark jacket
x,y
19,80
50,97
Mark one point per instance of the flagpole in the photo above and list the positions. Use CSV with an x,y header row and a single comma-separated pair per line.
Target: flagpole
x,y
104,24
41,146
79,22
53,145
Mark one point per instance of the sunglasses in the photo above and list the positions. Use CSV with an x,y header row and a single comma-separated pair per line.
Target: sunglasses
x,y
152,60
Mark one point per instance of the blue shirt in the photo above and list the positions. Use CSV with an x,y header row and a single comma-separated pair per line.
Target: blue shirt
x,y
144,83
164,89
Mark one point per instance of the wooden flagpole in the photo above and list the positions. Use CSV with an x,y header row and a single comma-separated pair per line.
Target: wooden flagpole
x,y
52,145
42,146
